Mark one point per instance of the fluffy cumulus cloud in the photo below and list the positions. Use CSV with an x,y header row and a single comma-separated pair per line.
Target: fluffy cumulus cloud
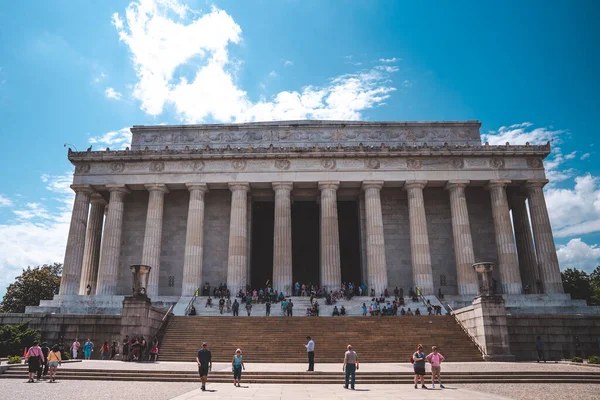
x,y
166,37
578,254
38,233
5,201
112,94
118,140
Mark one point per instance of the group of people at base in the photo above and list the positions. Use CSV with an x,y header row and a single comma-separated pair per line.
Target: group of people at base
x,y
419,359
41,360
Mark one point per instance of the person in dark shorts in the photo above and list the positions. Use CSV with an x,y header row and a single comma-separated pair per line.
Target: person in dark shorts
x,y
35,358
204,361
418,360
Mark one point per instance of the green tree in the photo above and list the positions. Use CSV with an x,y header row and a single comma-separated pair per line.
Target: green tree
x,y
595,286
577,283
34,284
14,338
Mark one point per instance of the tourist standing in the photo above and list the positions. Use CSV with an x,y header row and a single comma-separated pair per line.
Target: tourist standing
x,y
125,354
364,310
104,351
268,308
539,347
44,365
435,359
236,366
235,307
75,348
418,360
204,361
310,350
350,366
290,307
54,360
35,358
88,348
249,308
113,350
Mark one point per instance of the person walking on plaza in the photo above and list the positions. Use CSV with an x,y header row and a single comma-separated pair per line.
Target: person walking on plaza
x,y
35,358
104,351
350,366
249,308
310,350
54,360
204,361
44,365
75,348
236,366
125,354
539,347
88,348
435,359
418,360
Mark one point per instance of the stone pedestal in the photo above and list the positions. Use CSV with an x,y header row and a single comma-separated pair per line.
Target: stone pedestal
x,y
492,329
134,317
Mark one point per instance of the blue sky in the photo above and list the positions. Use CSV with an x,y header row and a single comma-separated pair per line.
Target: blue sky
x,y
83,72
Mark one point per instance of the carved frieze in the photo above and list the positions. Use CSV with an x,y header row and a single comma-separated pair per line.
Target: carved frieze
x,y
196,166
497,162
457,163
535,163
477,162
157,166
82,168
328,163
372,163
414,163
282,164
239,165
117,167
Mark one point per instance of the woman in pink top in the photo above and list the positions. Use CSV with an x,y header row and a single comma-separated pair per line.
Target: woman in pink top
x,y
435,359
35,358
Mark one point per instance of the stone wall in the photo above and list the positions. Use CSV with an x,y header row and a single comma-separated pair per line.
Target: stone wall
x,y
394,207
557,332
173,242
132,239
216,236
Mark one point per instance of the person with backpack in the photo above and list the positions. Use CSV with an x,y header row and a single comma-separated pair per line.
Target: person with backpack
x,y
418,361
44,365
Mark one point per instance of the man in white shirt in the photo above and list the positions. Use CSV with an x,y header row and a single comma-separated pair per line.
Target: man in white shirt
x,y
310,349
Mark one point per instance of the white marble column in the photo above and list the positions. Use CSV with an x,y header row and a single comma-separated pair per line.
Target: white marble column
x,y
194,240
153,235
419,237
525,249
71,274
93,238
331,269
110,252
463,242
544,242
376,262
282,238
237,262
508,261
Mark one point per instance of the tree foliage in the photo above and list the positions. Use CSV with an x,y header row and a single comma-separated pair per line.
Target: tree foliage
x,y
15,338
34,284
582,286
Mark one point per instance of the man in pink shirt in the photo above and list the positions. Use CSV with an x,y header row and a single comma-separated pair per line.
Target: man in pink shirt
x,y
435,359
35,358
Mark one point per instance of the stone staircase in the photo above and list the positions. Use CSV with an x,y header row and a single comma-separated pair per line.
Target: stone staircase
x,y
281,339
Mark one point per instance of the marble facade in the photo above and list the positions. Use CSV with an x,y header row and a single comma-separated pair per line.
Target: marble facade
x,y
431,201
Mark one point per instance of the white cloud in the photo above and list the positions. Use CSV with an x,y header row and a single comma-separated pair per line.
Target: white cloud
x,y
387,68
578,254
161,43
112,94
571,155
407,83
35,238
99,77
389,60
288,63
119,139
272,74
5,201
585,156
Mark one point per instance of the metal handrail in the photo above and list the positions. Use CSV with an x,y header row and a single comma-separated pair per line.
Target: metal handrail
x,y
191,303
481,349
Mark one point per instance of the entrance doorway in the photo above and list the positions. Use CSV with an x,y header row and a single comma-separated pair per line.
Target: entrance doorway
x,y
305,242
349,241
261,261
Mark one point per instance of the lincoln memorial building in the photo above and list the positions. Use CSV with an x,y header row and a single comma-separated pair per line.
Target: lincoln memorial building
x,y
387,204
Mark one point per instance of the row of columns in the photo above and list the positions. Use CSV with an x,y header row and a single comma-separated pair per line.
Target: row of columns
x,y
92,255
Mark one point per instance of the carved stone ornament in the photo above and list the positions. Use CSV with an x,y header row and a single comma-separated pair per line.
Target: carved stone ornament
x,y
117,167
535,163
497,163
328,163
197,166
372,163
239,165
477,162
82,169
414,163
457,163
157,166
282,164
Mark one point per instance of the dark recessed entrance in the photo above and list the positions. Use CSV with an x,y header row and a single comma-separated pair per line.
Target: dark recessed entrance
x,y
263,224
305,242
349,241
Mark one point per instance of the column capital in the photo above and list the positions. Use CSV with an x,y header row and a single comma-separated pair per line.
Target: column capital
x,y
536,183
157,187
457,184
329,185
282,186
372,185
415,185
118,188
496,183
97,198
203,187
82,188
233,186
